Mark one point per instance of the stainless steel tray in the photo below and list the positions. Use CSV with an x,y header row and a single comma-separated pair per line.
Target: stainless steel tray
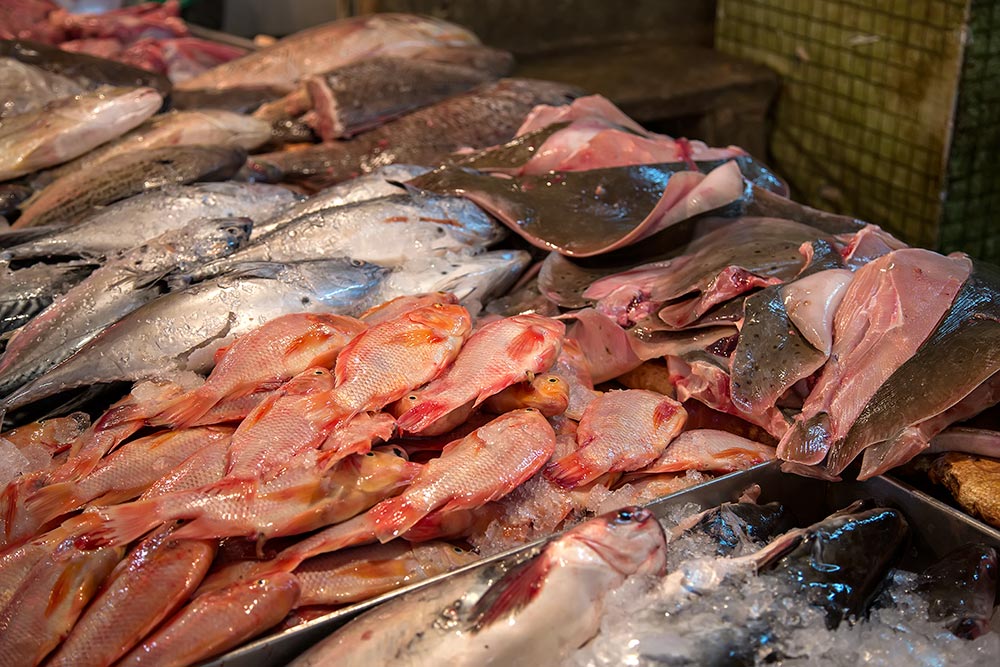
x,y
935,527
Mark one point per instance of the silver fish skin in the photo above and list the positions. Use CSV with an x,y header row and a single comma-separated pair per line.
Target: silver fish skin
x,y
181,331
489,616
67,128
138,219
387,231
26,292
24,87
177,128
120,286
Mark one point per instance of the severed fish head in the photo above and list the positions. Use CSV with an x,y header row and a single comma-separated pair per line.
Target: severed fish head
x,y
630,540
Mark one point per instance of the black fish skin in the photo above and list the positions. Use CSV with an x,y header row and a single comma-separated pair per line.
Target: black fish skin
x,y
760,523
961,589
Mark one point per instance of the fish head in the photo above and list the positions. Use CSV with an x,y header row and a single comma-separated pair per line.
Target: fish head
x,y
444,319
549,394
629,539
310,381
217,237
383,467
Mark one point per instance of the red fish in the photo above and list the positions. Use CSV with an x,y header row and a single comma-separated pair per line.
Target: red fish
x,y
401,305
706,450
548,393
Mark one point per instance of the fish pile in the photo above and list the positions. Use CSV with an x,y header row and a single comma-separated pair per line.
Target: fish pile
x,y
151,35
736,584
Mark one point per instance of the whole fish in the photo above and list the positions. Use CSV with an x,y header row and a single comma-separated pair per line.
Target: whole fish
x,y
961,589
26,88
214,622
123,284
72,197
503,615
709,450
619,431
67,128
28,291
331,45
500,354
547,393
354,575
177,128
393,308
138,219
387,231
272,353
150,583
183,330
86,70
486,115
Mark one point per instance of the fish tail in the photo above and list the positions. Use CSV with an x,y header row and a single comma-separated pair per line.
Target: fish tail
x,y
53,501
571,471
422,415
116,525
186,410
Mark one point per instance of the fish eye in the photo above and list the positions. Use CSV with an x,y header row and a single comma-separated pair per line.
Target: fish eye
x,y
317,372
370,454
411,397
552,380
458,550
624,516
357,262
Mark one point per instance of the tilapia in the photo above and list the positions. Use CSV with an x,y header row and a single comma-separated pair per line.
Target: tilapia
x,y
548,393
119,287
481,117
331,45
177,128
138,219
72,197
502,614
710,450
25,88
182,330
70,127
26,292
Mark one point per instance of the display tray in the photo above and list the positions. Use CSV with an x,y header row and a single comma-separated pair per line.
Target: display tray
x,y
935,527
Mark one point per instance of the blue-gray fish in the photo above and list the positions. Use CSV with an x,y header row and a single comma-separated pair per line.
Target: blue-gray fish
x,y
25,292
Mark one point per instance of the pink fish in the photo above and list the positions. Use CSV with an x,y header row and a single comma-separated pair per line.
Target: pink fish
x,y
401,305
707,450
548,393
357,435
267,356
620,431
571,365
500,354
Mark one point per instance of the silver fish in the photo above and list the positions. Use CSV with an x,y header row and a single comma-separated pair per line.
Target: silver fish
x,y
181,331
26,88
111,292
138,219
489,616
25,292
66,128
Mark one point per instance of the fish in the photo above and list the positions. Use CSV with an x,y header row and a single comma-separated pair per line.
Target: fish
x,y
709,450
386,231
54,434
619,431
87,71
481,117
175,128
961,588
401,305
548,393
242,100
367,93
28,291
71,198
181,331
155,578
271,354
11,196
497,356
120,286
496,615
307,52
731,525
355,575
25,88
69,127
212,623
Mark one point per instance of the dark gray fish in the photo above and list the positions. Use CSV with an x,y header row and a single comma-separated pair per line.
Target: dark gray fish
x,y
88,71
961,589
766,204
26,292
732,524
238,100
72,197
487,115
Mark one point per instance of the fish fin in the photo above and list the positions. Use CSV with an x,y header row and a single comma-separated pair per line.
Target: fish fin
x,y
393,517
219,354
524,343
664,412
116,525
513,592
186,410
422,416
570,471
53,501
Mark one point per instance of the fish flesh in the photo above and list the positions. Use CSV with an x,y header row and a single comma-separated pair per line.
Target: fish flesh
x,y
483,116
70,127
114,290
181,331
28,291
25,88
176,128
502,616
72,197
136,220
331,45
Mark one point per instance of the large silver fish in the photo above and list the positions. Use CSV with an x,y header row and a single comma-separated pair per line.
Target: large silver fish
x,y
70,127
111,292
26,88
181,331
535,614
25,292
138,219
